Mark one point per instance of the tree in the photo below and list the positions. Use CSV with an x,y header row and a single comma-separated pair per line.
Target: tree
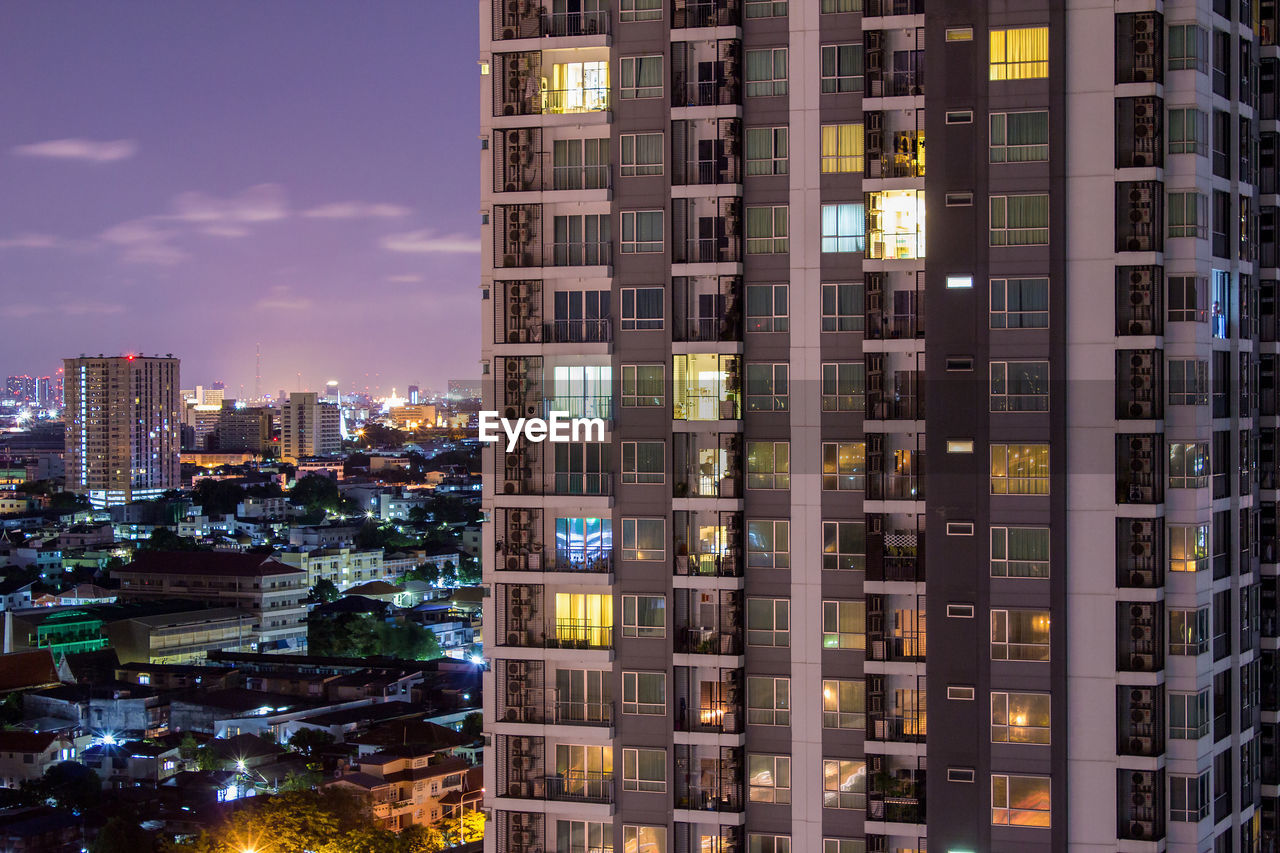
x,y
473,725
67,785
407,640
310,741
318,493
324,591
206,760
469,572
187,747
164,539
217,497
122,835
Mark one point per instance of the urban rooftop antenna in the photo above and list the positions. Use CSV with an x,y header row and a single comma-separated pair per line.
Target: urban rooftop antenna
x,y
257,377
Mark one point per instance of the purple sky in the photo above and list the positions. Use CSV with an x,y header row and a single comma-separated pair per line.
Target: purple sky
x,y
196,177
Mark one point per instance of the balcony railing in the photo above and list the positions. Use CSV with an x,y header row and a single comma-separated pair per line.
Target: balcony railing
x,y
580,787
583,713
711,798
895,84
890,407
902,728
706,13
907,646
712,250
580,634
588,484
581,406
895,487
880,8
592,331
894,326
582,100
708,641
716,718
895,166
722,565
560,24
592,560
582,254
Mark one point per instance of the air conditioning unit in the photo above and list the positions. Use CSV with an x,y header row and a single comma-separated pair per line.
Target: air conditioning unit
x,y
517,668
518,789
520,592
519,537
522,744
518,336
508,32
519,819
1141,663
515,638
1142,830
1137,577
1142,716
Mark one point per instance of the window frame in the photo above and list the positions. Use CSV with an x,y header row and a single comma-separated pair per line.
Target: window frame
x,y
833,701
778,295
998,152
830,138
833,400
1002,69
840,214
774,242
778,477
777,375
635,64
631,626
778,711
834,617
780,610
1007,483
838,477
634,168
1003,401
773,558
631,778
629,13
779,792
634,524
1025,650
833,77
775,85
630,472
834,794
1000,535
1004,236
1001,801
631,687
635,245
1000,286
1003,731
833,298
833,538
779,137
1185,725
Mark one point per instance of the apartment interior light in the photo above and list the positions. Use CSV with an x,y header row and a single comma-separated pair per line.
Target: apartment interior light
x,y
959,282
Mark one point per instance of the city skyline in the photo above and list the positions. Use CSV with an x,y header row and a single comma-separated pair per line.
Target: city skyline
x,y
138,220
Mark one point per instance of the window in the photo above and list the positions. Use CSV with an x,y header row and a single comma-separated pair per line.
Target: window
x,y
844,465
1019,220
640,10
768,701
843,386
1020,552
1020,635
1019,386
844,227
769,544
644,616
959,33
767,308
843,307
766,8
1188,299
1019,137
642,309
960,445
844,784
577,87
1019,800
1189,715
1188,382
1189,632
641,77
641,154
766,151
582,240
1020,54
959,199
1189,798
644,539
757,843
644,462
844,545
582,469
1188,130
767,72
1188,547
582,390
644,839
579,164
841,6
1188,48
641,231
644,770
583,543
844,624
1019,717
1019,469
1188,215
768,622
583,836
769,778
644,693
1019,303
1188,464
960,693
841,68
844,704
767,387
959,116
642,384
768,465
843,148
767,229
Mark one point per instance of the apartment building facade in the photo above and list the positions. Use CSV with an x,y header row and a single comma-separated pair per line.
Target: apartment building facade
x,y
123,427
705,224
309,427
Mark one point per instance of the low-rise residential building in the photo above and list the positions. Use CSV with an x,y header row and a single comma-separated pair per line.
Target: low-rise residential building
x,y
25,756
343,566
133,763
184,637
406,786
15,594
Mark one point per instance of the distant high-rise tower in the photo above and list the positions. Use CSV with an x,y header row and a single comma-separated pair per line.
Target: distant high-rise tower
x,y
123,427
309,427
414,393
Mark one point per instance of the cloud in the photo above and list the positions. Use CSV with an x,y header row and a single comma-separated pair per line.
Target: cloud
x,y
404,279
84,150
282,298
261,203
357,210
141,241
82,308
66,306
22,310
426,241
31,240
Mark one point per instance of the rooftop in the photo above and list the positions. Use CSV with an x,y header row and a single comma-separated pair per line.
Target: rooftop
x,y
219,563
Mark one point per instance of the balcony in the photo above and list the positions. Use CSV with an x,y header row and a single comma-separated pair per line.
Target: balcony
x,y
562,24
588,331
580,634
706,231
581,406
583,560
588,484
582,254
520,19
707,308
580,786
707,465
708,544
688,14
899,728
708,641
897,798
895,555
569,713
895,84
708,704
882,8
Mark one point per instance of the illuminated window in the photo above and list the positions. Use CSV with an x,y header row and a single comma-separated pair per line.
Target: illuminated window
x,y
844,784
1189,632
644,693
768,622
844,227
583,390
1019,717
642,385
768,701
844,466
767,229
584,771
640,77
1188,547
1019,386
844,704
1020,54
583,836
768,465
767,72
959,33
843,148
644,539
583,542
1188,465
1019,800
577,87
843,386
1020,552
769,544
644,839
841,67
1020,635
844,545
1019,469
706,387
844,624
1019,220
1019,137
644,770
769,778
584,619
896,225
766,152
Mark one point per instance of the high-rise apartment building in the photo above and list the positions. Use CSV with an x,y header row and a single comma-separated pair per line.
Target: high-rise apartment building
x,y
706,224
123,427
21,389
309,427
